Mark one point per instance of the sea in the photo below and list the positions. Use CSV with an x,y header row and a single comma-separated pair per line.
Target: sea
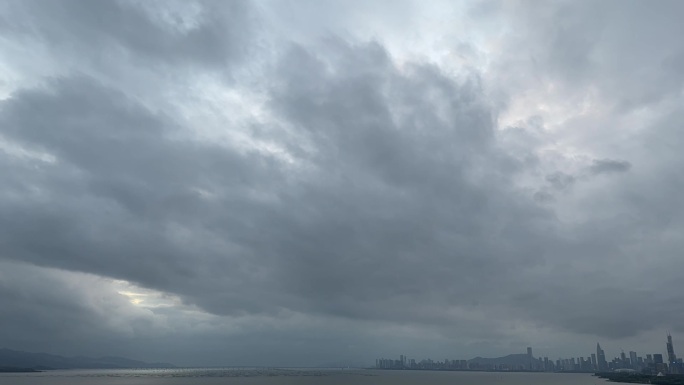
x,y
262,376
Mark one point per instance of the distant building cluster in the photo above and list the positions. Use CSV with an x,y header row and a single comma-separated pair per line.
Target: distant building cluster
x,y
653,364
428,364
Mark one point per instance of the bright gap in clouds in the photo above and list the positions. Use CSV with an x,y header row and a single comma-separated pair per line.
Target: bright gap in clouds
x,y
142,297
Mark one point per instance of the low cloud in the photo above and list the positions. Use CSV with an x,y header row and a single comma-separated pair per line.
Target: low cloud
x,y
609,166
560,180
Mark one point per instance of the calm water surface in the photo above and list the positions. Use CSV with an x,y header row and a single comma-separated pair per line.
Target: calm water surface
x,y
290,376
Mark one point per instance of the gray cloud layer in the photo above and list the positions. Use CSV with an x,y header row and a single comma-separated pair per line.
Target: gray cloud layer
x,y
607,166
329,197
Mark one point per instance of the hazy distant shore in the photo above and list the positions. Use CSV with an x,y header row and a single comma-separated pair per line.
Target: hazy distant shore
x,y
18,370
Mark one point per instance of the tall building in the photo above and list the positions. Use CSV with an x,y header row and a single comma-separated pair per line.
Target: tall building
x,y
601,359
660,366
529,358
633,359
671,358
657,358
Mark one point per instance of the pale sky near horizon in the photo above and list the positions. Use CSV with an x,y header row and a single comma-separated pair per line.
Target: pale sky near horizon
x,y
309,182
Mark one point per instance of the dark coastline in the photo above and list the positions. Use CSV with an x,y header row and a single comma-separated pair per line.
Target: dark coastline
x,y
18,370
478,370
638,378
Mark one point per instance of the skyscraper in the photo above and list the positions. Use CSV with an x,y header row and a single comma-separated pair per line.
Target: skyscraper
x,y
658,361
671,358
529,358
601,359
633,360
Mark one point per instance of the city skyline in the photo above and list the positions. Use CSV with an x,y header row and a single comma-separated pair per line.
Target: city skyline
x,y
652,363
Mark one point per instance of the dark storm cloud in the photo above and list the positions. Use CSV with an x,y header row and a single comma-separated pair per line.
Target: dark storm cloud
x,y
374,192
392,207
122,194
215,34
609,166
69,308
389,205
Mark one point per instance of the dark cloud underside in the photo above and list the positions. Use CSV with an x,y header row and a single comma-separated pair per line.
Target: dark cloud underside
x,y
329,193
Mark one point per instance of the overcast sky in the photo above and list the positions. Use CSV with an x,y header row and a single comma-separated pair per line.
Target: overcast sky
x,y
306,182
